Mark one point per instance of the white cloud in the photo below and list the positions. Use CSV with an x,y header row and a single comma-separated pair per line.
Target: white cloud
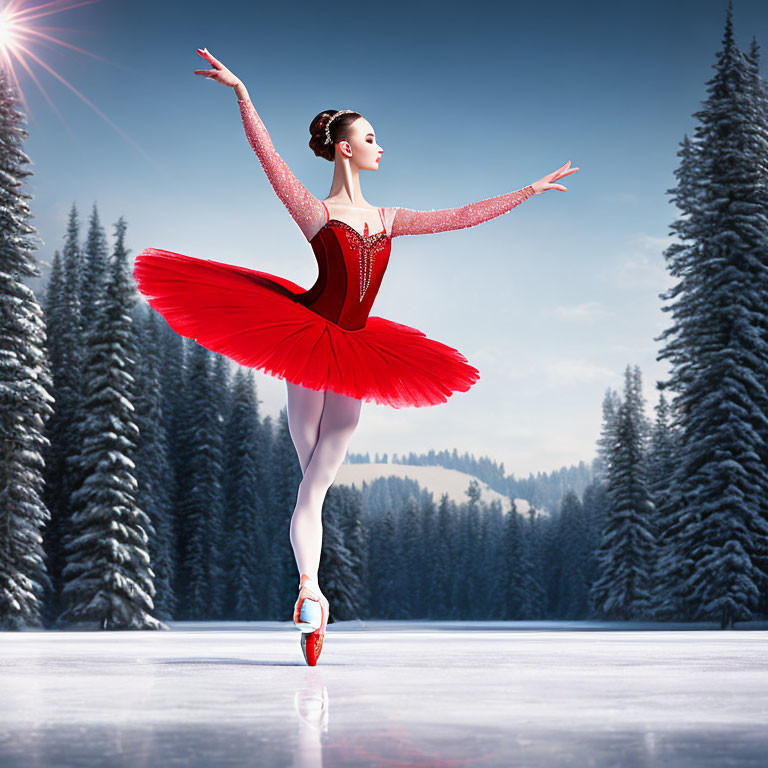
x,y
560,372
556,373
642,267
585,312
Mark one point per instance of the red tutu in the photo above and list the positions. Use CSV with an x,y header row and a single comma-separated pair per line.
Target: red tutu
x,y
263,321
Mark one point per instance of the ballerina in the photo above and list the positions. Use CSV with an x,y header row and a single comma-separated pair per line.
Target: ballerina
x,y
332,354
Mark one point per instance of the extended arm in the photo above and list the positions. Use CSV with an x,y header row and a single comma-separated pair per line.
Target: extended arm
x,y
304,207
409,222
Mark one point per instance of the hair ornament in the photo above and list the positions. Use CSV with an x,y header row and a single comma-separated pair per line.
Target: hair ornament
x,y
328,125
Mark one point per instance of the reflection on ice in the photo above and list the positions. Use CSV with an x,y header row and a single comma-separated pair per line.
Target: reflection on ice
x,y
403,693
311,703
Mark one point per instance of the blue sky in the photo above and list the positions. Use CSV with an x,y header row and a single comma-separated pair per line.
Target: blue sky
x,y
550,301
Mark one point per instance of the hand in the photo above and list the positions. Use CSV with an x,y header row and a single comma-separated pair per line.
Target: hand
x,y
219,73
545,183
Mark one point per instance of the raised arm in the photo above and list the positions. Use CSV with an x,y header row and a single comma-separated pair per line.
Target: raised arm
x,y
304,207
301,204
409,222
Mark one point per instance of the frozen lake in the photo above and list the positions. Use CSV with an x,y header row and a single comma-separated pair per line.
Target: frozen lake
x,y
386,693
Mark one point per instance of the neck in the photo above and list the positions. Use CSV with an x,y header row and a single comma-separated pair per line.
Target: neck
x,y
345,186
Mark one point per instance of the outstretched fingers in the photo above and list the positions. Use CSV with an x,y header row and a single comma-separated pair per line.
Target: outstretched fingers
x,y
209,57
561,172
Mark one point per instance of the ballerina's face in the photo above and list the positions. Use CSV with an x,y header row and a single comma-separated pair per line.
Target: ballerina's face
x,y
360,146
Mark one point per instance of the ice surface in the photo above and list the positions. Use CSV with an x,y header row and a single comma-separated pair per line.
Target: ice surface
x,y
386,693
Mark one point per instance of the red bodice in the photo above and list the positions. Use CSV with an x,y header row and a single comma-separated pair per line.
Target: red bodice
x,y
350,270
322,338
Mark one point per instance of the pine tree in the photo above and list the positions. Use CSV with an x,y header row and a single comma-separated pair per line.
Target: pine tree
x,y
596,504
665,574
554,567
173,406
719,349
759,92
25,387
245,543
384,567
201,504
512,586
535,545
622,590
353,534
409,575
152,464
607,440
429,567
108,581
472,553
572,538
444,574
490,566
66,342
221,402
336,563
95,259
266,488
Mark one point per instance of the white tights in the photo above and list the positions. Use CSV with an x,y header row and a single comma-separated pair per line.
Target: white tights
x,y
321,424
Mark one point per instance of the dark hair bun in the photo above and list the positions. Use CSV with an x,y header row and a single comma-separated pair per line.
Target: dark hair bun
x,y
317,129
339,128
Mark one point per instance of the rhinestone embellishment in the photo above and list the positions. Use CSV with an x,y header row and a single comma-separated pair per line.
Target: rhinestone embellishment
x,y
367,247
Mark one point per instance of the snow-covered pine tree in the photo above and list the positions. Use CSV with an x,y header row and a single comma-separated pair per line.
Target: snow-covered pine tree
x,y
172,350
535,604
266,439
428,556
384,564
596,504
245,546
201,503
95,260
665,573
66,344
152,464
571,593
491,568
409,575
444,573
353,534
336,564
221,374
553,570
719,348
759,552
471,554
534,525
510,590
607,439
25,386
108,579
622,589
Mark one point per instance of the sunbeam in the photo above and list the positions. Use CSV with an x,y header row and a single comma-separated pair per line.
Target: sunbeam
x,y
18,33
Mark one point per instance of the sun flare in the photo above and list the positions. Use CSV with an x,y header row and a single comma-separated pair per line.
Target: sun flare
x,y
19,29
5,32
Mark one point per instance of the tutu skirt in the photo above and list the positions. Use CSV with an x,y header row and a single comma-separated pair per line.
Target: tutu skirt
x,y
255,319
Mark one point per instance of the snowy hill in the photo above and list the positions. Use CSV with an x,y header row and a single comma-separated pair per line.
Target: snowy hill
x,y
437,480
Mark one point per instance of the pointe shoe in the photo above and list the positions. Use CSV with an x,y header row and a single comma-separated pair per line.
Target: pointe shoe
x,y
305,619
308,609
312,642
311,645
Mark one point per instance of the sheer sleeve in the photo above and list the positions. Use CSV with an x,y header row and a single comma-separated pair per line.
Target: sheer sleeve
x,y
304,207
410,222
